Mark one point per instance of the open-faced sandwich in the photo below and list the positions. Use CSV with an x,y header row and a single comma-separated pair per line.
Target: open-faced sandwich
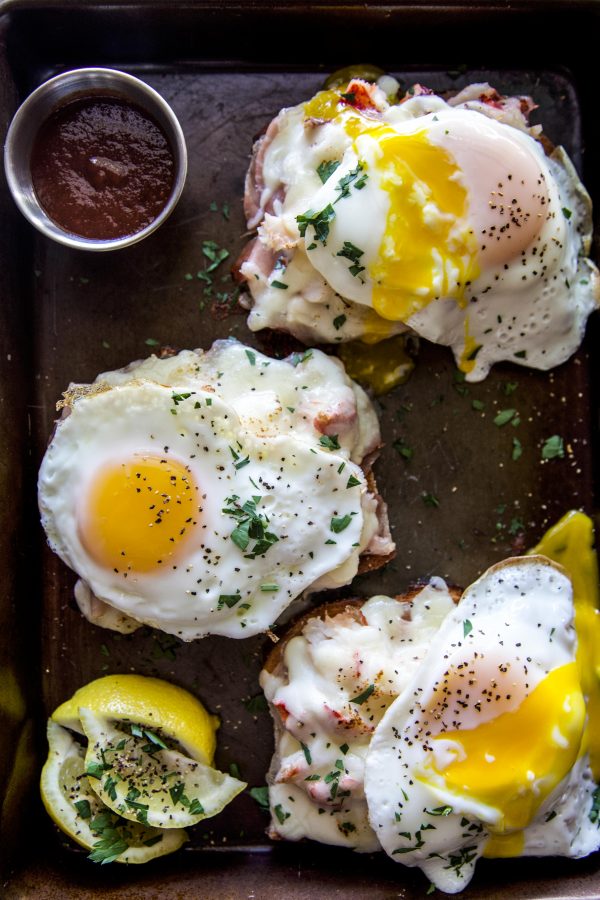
x,y
202,493
448,218
443,728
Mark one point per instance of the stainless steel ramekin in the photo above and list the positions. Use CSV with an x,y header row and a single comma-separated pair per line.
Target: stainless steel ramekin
x,y
77,84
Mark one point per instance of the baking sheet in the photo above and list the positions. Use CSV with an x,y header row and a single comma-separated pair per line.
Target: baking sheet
x,y
88,313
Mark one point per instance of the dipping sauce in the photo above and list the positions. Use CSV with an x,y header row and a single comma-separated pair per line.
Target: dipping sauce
x,y
102,168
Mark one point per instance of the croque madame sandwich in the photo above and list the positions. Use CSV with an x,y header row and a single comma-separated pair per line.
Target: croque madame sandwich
x,y
202,493
452,219
440,727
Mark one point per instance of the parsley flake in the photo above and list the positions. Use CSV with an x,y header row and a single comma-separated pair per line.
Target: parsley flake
x,y
228,600
330,442
281,814
261,795
361,698
340,523
553,448
319,221
251,526
326,169
504,417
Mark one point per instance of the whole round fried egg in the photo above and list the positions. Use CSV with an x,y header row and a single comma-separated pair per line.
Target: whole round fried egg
x,y
485,751
429,216
179,515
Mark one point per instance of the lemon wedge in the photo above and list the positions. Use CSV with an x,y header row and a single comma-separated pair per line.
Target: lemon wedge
x,y
137,776
80,813
148,702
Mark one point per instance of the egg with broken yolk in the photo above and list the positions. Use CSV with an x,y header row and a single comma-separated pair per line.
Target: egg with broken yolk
x,y
428,206
489,743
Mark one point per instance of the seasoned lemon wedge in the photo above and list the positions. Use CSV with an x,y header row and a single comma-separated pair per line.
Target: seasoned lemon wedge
x,y
137,776
148,702
80,813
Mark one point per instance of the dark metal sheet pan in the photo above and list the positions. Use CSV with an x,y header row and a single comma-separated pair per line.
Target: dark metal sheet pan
x,y
226,69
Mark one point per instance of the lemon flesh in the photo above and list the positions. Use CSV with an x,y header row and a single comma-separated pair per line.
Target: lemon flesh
x,y
148,702
80,813
137,776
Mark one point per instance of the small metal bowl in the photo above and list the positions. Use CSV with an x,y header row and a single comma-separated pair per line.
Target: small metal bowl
x,y
55,93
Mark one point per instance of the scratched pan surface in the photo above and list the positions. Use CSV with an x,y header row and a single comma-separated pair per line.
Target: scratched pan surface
x,y
68,316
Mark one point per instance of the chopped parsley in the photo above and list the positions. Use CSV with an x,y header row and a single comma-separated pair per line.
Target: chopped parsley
x,y
330,442
83,808
439,811
251,526
110,846
567,212
215,254
339,320
553,448
326,169
361,698
319,222
504,417
228,600
251,357
356,178
516,525
307,754
280,284
281,814
296,358
467,627
430,499
517,450
352,482
403,449
261,795
152,342
340,523
353,253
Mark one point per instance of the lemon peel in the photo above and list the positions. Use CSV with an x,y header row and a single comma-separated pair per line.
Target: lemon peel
x,y
80,813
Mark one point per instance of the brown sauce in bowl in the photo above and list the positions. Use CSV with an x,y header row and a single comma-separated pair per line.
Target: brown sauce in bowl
x,y
102,168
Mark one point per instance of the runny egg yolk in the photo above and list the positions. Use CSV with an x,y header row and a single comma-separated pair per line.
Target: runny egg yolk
x,y
428,249
513,761
571,544
139,514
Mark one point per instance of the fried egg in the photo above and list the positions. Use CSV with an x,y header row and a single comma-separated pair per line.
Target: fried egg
x,y
485,752
444,218
203,493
